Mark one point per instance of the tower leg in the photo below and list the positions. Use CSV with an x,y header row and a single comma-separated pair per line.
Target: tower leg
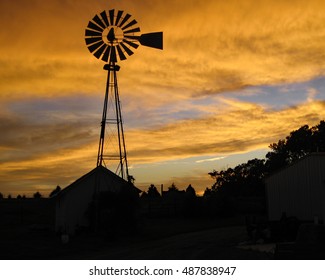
x,y
113,151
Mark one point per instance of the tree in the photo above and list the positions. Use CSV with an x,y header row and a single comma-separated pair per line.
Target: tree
x,y
245,179
296,145
318,137
55,191
190,191
152,191
207,193
277,158
173,188
1,195
37,195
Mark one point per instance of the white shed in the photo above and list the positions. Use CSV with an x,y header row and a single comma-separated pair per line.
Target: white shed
x,y
298,189
73,202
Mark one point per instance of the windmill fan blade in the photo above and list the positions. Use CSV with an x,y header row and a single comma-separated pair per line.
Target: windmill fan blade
x,y
104,17
92,25
111,16
132,30
113,55
100,51
133,22
95,46
99,21
152,40
134,45
125,19
127,50
91,33
92,40
119,15
106,53
120,53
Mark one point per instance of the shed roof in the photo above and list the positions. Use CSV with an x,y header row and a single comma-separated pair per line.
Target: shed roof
x,y
102,171
318,154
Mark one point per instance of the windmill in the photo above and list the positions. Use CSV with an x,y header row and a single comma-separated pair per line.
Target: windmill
x,y
112,36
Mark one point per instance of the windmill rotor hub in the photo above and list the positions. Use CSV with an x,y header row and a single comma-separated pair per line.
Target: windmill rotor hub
x,y
112,36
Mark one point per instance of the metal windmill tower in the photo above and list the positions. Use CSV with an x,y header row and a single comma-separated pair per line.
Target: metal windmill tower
x,y
112,36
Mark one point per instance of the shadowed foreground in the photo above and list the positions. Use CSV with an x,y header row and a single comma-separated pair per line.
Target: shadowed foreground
x,y
220,243
169,239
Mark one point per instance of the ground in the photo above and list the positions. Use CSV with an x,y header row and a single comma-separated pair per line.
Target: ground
x,y
157,239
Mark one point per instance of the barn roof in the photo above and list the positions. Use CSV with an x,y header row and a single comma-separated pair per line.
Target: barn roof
x,y
316,154
103,171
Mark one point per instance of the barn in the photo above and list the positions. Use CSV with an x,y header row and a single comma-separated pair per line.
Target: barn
x,y
75,203
298,190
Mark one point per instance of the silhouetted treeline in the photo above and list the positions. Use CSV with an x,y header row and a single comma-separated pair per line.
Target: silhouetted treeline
x,y
36,195
172,202
186,204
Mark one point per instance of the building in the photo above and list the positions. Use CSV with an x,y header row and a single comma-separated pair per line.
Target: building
x,y
75,204
298,190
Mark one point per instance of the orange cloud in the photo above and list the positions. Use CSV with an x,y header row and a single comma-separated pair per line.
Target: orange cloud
x,y
210,47
240,127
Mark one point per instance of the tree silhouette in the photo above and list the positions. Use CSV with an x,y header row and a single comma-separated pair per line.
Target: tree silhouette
x,y
152,191
190,191
37,195
296,145
318,137
173,188
1,195
208,192
245,179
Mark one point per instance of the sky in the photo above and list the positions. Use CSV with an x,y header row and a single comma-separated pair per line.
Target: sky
x,y
234,77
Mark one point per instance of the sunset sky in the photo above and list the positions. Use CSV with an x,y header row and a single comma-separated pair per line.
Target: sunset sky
x,y
234,76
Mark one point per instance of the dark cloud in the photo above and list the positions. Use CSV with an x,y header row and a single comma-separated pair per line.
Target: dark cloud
x,y
21,139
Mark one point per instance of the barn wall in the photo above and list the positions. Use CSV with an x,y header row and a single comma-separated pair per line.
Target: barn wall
x,y
298,190
72,205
